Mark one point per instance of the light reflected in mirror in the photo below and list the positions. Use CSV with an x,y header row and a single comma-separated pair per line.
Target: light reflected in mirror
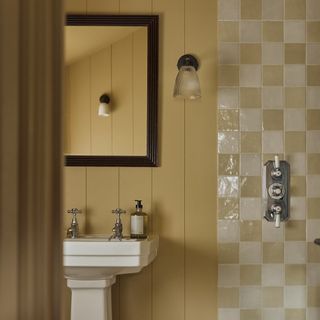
x,y
108,60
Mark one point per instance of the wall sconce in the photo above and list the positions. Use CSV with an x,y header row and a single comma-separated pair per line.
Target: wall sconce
x,y
104,106
187,83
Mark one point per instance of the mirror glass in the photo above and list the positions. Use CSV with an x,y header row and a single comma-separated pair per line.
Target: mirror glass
x,y
117,58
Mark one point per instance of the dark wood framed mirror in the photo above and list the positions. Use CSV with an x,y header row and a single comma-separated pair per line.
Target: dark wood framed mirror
x,y
149,156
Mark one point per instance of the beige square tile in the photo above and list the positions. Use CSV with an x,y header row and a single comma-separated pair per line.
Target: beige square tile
x,y
313,252
272,75
313,10
298,186
272,142
250,230
313,227
297,208
228,297
295,142
270,233
273,252
272,120
250,252
295,252
228,253
228,186
250,275
273,31
313,75
251,187
228,120
250,75
313,119
250,297
295,297
272,97
228,98
295,230
228,53
228,275
272,53
314,209
228,208
251,9
314,164
295,274
272,9
228,164
228,9
313,97
313,53
295,314
250,31
228,31
313,186
250,53
250,97
313,138
295,75
313,31
250,119
228,142
228,75
251,142
228,231
297,163
313,296
295,119
295,54
295,97
272,275
250,314
272,297
250,208
295,9
295,31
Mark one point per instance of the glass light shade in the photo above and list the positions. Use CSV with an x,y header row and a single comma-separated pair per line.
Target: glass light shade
x,y
187,83
104,109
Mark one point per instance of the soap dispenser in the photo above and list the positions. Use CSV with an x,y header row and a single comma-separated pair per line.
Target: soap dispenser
x,y
138,222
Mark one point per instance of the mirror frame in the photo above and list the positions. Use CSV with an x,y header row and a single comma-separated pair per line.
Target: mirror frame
x,y
151,158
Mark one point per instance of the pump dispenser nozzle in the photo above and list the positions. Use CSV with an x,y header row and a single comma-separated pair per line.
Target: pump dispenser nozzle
x,y
138,204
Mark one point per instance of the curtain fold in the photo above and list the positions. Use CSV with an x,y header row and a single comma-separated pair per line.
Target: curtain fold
x,y
31,160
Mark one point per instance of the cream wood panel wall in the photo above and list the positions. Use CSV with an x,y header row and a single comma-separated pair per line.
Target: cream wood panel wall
x,y
119,70
180,194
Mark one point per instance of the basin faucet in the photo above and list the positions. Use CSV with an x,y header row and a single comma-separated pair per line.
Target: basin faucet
x,y
117,229
73,231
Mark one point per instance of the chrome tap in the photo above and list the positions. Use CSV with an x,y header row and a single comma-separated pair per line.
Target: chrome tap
x,y
117,229
73,231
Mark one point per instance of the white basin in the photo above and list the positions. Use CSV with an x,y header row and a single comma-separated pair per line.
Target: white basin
x,y
91,264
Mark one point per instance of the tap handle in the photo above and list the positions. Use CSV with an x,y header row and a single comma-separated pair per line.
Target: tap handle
x,y
74,211
276,162
118,211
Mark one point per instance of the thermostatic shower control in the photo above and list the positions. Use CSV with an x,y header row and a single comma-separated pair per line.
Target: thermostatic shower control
x,y
276,190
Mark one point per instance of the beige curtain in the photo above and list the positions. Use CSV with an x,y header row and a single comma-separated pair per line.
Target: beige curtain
x,y
30,159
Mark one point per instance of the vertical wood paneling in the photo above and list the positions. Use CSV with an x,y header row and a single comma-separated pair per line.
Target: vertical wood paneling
x,y
102,6
102,198
101,127
75,6
80,128
139,83
122,97
200,184
168,179
75,195
135,289
136,6
66,112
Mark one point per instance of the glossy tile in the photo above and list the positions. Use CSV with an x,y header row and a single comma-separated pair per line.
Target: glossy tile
x,y
228,275
251,9
228,31
251,142
295,120
295,296
295,314
313,208
273,31
272,275
295,274
313,31
295,31
228,297
314,163
250,75
272,53
295,9
272,297
229,53
295,142
228,186
250,314
272,120
313,10
273,252
228,142
250,297
228,98
228,9
250,275
250,187
313,53
295,97
297,208
228,253
250,230
250,53
250,165
228,75
272,75
272,9
313,138
250,31
250,97
228,208
295,230
295,54
295,252
250,119
272,97
250,252
228,120
272,142
313,75
294,75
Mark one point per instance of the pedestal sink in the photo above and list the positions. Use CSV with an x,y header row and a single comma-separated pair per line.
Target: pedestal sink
x,y
91,264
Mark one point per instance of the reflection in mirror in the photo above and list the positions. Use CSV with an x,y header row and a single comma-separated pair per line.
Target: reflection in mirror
x,y
111,58
108,60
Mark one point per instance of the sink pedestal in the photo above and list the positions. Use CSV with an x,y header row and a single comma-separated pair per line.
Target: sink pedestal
x,y
91,299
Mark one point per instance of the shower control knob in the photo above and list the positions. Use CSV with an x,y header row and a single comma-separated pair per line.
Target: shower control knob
x,y
276,209
276,191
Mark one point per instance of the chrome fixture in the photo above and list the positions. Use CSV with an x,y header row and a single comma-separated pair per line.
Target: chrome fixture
x,y
187,83
73,231
276,190
104,106
117,229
